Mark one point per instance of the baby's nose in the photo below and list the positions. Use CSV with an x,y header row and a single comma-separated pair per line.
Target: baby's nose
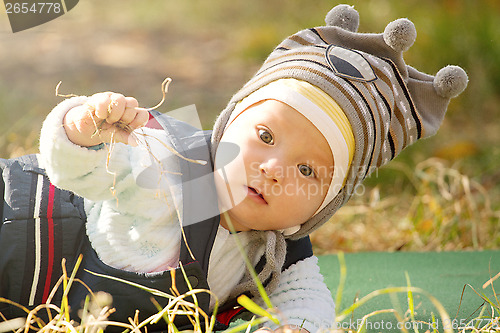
x,y
272,170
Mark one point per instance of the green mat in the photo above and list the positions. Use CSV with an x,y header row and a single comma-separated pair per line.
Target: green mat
x,y
443,275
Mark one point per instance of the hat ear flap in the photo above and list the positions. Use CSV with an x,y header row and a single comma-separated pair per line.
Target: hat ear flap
x,y
343,16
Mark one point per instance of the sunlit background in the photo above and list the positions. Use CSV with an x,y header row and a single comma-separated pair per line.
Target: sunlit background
x,y
441,194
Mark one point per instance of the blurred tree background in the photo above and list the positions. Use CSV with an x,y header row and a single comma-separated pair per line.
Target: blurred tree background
x,y
441,194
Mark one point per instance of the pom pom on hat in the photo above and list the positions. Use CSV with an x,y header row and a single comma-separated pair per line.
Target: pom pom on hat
x,y
343,16
450,81
400,34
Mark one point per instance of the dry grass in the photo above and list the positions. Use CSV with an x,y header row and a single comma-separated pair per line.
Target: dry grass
x,y
440,209
98,307
94,315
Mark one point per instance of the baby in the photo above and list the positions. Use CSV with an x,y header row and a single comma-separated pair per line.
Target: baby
x,y
328,107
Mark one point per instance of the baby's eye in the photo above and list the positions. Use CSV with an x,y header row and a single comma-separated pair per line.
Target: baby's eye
x,y
306,170
266,137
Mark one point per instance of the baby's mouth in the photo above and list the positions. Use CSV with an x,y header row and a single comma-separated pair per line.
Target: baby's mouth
x,y
255,193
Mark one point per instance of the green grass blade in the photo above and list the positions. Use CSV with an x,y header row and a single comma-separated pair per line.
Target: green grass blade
x,y
343,274
213,317
251,269
251,306
163,315
85,311
411,304
244,326
434,323
195,299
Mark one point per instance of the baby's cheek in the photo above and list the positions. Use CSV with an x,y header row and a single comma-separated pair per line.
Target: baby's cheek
x,y
313,197
314,191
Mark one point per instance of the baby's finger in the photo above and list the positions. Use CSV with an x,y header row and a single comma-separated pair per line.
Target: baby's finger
x,y
128,116
99,103
131,102
141,118
116,108
131,105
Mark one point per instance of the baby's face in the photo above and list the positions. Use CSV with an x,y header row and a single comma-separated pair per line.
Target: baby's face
x,y
282,172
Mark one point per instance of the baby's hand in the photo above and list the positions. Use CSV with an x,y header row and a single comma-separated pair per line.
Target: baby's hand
x,y
105,117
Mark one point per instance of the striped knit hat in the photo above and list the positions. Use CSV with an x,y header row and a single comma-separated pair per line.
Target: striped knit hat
x,y
388,104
